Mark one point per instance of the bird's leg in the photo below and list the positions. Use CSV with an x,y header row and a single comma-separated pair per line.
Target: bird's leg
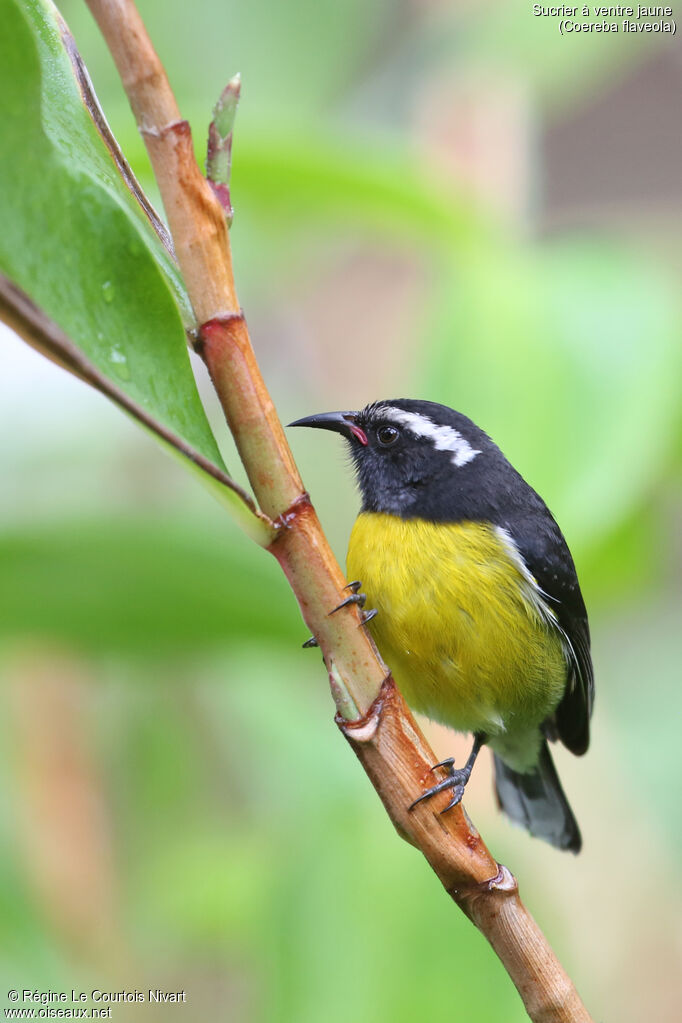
x,y
457,777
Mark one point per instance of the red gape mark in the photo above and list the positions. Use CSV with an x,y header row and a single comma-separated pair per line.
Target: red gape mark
x,y
358,434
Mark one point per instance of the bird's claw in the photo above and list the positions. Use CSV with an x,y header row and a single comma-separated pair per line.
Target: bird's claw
x,y
457,794
355,598
456,780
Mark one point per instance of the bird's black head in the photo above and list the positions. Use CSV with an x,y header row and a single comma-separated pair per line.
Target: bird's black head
x,y
418,459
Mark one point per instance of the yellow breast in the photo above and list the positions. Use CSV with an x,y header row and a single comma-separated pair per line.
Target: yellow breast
x,y
465,644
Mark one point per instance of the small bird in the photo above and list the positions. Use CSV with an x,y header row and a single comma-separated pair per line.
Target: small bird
x,y
480,615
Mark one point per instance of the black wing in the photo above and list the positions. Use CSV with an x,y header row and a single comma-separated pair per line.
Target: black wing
x,y
545,552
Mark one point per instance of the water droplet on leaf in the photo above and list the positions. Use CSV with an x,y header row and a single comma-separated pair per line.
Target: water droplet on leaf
x,y
120,363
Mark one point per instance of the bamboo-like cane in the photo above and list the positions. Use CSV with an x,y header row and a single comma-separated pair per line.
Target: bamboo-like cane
x,y
371,712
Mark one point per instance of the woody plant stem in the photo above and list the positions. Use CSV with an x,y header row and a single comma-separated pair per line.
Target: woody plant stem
x,y
371,711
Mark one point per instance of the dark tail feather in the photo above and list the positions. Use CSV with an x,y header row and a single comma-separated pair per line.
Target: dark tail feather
x,y
537,802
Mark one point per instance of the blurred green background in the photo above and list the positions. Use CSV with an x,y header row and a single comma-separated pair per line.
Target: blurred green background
x,y
433,199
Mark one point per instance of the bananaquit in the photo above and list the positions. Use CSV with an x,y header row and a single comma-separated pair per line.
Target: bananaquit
x,y
480,614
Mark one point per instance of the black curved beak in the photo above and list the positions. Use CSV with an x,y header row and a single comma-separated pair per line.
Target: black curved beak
x,y
344,423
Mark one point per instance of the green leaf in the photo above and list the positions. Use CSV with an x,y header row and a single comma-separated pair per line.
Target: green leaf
x,y
87,251
140,586
303,177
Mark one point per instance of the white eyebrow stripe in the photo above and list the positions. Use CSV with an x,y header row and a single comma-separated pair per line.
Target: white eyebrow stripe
x,y
444,438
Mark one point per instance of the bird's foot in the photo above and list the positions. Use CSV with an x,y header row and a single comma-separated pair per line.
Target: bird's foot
x,y
356,598
456,779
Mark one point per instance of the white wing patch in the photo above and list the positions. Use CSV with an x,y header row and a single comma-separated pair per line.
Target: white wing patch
x,y
444,438
532,591
535,595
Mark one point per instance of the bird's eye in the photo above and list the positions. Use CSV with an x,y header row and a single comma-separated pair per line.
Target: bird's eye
x,y
387,435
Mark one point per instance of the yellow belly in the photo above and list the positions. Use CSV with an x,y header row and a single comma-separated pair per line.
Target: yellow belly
x,y
464,645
